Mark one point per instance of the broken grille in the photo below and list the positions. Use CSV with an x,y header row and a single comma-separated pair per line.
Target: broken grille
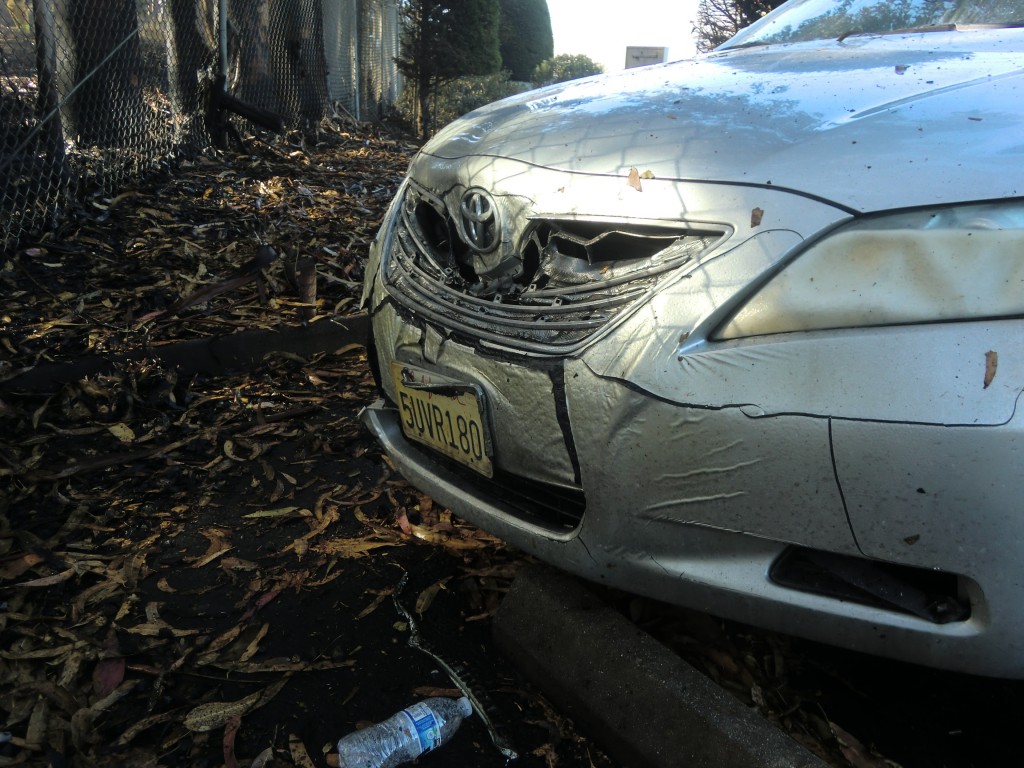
x,y
563,282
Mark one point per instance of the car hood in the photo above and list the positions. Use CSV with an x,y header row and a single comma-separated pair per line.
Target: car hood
x,y
869,123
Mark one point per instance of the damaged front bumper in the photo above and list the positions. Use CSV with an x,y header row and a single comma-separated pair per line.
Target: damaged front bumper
x,y
652,536
717,508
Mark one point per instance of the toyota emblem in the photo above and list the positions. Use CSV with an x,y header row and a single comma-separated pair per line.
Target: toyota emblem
x,y
480,221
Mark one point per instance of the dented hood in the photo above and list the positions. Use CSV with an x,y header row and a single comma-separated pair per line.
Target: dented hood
x,y
870,123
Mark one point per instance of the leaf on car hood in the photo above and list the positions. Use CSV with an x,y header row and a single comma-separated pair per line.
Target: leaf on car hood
x,y
633,180
991,364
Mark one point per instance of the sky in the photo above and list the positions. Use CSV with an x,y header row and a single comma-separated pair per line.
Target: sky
x,y
602,29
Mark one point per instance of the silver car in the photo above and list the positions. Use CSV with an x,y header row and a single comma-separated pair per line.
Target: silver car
x,y
744,333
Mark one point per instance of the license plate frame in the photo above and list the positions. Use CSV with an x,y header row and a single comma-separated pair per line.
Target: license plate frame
x,y
446,415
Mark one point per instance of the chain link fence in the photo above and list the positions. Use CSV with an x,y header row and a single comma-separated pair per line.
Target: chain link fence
x,y
361,40
94,93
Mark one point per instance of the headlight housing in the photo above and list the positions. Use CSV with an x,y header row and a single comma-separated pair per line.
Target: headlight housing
x,y
937,265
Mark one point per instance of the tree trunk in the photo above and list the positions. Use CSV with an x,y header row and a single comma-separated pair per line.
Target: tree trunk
x,y
107,109
192,55
301,76
47,98
48,111
252,45
424,92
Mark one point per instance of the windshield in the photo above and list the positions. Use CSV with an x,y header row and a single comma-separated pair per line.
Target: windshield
x,y
800,20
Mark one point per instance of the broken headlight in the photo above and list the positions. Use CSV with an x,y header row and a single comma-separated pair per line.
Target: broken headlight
x,y
940,265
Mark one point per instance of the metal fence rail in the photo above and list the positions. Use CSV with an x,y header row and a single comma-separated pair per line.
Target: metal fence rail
x,y
94,93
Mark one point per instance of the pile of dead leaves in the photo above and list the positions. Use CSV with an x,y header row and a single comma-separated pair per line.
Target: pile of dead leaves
x,y
123,634
224,243
151,594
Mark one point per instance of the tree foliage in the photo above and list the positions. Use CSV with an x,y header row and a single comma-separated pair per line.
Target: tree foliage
x,y
442,40
460,96
878,17
565,66
526,37
718,20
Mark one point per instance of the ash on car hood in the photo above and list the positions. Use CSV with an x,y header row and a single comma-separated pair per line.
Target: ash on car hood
x,y
869,122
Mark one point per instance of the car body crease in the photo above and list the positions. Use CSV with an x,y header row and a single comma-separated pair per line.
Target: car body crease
x,y
839,489
557,376
634,387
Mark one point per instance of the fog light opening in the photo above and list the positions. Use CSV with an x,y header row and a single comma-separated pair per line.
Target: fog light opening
x,y
931,595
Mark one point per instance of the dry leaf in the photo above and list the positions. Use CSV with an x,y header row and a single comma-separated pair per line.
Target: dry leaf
x,y
159,629
38,723
855,752
634,180
237,564
138,727
107,675
301,545
279,512
215,714
47,581
219,642
350,548
382,595
402,518
300,757
82,731
230,731
279,665
991,363
427,596
219,546
254,645
263,758
122,432
229,451
261,601
39,653
16,567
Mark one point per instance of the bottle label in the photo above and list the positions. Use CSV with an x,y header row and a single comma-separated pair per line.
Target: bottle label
x,y
425,725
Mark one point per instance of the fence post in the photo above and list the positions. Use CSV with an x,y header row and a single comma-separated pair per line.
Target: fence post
x,y
358,79
222,27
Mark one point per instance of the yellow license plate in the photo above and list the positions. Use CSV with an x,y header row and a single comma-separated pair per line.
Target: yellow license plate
x,y
445,415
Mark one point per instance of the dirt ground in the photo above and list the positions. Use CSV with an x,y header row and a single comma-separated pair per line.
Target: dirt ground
x,y
199,564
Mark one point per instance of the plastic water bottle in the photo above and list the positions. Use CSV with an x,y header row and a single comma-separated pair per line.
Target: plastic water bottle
x,y
405,735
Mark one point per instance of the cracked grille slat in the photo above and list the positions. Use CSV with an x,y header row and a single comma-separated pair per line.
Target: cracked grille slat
x,y
549,295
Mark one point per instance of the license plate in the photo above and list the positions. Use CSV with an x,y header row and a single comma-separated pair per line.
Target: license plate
x,y
446,415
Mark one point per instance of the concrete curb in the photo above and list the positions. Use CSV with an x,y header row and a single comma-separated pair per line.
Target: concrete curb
x,y
644,704
231,352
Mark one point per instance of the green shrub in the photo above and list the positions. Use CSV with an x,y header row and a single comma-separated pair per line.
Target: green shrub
x,y
460,96
565,66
